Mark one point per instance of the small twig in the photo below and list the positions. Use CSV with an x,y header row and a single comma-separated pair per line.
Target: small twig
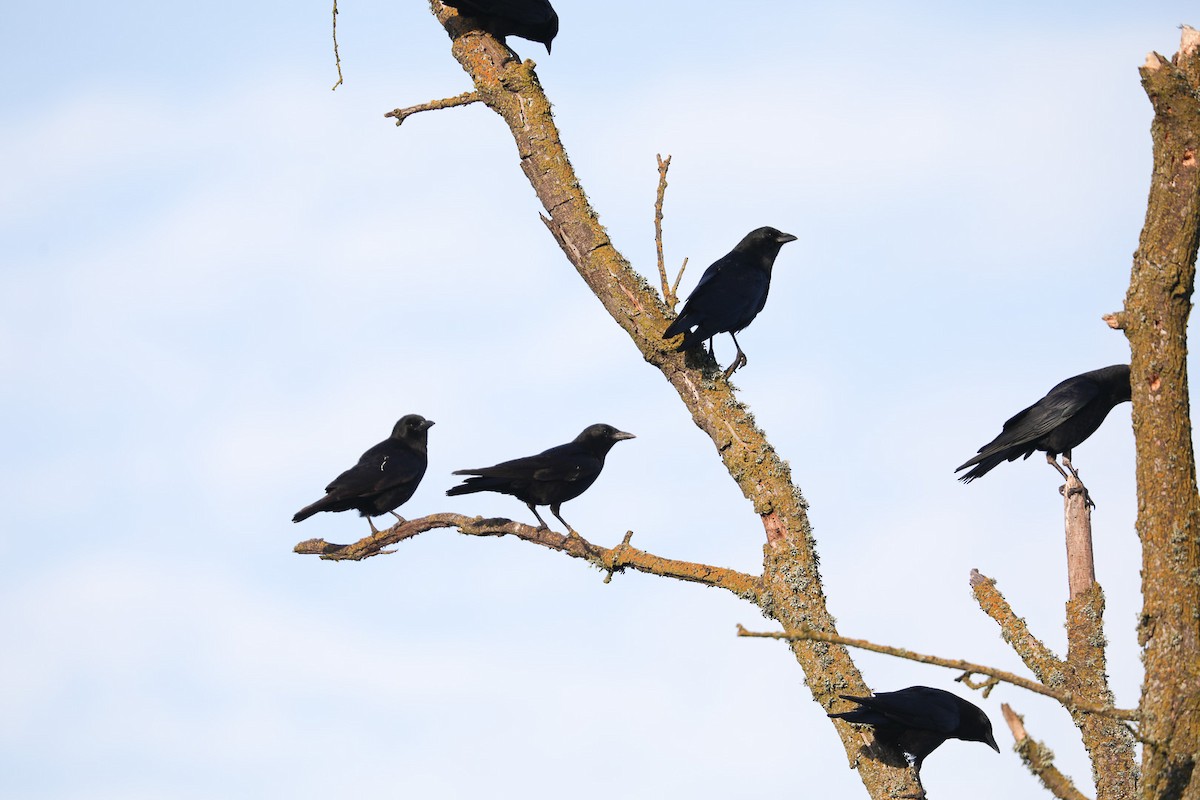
x,y
678,278
668,295
616,553
951,663
336,57
464,99
985,686
1039,759
670,291
617,559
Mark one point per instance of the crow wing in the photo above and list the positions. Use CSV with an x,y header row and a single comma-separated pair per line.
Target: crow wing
x,y
384,466
915,708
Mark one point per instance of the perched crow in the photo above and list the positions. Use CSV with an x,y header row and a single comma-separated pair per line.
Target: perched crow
x,y
730,293
1060,421
918,719
385,476
550,478
534,20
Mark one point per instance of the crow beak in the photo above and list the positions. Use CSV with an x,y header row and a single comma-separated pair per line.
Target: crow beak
x,y
784,238
991,740
428,424
619,435
547,48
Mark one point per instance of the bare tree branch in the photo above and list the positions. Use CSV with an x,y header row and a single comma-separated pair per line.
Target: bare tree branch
x,y
1041,661
1080,681
1109,743
663,166
1077,510
669,291
969,668
614,560
1039,758
337,59
464,99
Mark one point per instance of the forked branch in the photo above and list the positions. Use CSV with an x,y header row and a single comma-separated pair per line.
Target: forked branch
x,y
669,290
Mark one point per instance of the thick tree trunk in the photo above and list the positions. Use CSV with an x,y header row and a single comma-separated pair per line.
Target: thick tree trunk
x,y
1155,321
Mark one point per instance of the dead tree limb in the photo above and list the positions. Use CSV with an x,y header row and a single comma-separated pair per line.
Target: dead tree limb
x,y
1081,565
337,58
1039,758
610,560
464,99
1082,675
669,290
968,668
1109,743
1041,661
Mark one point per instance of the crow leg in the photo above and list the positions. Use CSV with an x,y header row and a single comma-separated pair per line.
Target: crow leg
x,y
1052,461
1067,461
374,530
554,510
739,360
1087,496
398,517
541,522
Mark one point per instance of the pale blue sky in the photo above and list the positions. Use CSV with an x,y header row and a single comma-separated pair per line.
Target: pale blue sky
x,y
222,281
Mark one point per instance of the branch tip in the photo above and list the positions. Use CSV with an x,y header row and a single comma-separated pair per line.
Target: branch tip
x,y
1189,40
668,294
1015,722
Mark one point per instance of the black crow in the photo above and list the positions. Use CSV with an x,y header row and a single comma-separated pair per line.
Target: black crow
x,y
1060,421
385,476
550,478
730,293
918,719
534,20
